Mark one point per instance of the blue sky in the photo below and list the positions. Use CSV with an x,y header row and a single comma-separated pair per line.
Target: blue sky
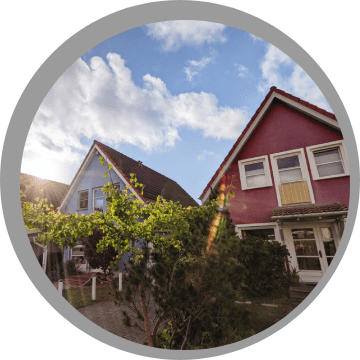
x,y
175,95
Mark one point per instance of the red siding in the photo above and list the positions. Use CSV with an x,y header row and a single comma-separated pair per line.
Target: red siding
x,y
282,129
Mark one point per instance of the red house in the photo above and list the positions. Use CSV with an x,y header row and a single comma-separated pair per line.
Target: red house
x,y
293,181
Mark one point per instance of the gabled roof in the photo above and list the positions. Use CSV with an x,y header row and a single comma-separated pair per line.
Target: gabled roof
x,y
308,210
53,191
274,93
155,184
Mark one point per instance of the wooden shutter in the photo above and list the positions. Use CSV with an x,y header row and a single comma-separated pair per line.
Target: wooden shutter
x,y
294,193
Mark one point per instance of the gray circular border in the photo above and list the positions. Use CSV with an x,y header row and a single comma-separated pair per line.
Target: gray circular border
x,y
74,48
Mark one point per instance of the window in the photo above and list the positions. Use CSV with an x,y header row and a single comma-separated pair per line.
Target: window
x,y
255,173
83,199
293,186
78,254
98,199
265,234
328,160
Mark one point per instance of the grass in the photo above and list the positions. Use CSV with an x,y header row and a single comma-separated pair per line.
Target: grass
x,y
81,297
262,317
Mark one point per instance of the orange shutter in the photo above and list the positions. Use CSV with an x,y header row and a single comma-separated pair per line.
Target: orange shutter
x,y
294,193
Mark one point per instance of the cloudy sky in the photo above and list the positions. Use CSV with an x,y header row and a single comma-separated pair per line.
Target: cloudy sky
x,y
175,95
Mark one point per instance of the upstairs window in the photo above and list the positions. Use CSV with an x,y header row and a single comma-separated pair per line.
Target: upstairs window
x,y
328,160
99,200
292,180
83,199
255,173
289,169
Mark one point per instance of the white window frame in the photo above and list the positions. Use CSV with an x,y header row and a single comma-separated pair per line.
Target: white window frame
x,y
93,198
260,226
340,145
83,191
117,185
264,159
303,167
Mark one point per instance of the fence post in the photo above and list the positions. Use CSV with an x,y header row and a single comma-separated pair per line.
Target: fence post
x,y
94,288
60,287
120,281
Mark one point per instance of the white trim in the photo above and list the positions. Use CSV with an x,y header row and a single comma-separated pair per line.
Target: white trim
x,y
119,174
257,225
340,144
303,167
81,174
260,226
93,198
82,191
264,159
314,114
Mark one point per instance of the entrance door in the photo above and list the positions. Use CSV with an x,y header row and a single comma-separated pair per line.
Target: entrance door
x,y
312,248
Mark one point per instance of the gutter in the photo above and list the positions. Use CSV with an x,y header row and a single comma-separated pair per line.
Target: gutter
x,y
334,213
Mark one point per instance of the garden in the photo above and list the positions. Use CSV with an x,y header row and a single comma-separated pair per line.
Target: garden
x,y
186,263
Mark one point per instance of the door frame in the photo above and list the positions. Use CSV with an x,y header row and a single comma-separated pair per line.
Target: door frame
x,y
313,276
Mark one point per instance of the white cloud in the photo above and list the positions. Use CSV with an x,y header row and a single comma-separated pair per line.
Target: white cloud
x,y
178,33
203,154
101,101
243,70
195,67
255,38
281,71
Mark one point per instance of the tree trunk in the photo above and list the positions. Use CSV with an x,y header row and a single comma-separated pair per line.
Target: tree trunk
x,y
146,319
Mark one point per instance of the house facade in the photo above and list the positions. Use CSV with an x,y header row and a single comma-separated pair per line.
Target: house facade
x,y
85,195
293,178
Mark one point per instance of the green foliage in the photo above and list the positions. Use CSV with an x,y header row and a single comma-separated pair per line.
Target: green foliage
x,y
72,268
98,259
265,266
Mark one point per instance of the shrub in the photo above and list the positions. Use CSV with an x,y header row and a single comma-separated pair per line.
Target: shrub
x,y
265,264
72,268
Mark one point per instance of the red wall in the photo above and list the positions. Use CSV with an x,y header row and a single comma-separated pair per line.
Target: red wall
x,y
282,129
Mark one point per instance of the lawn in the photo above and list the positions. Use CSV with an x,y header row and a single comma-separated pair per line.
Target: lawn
x,y
81,297
262,317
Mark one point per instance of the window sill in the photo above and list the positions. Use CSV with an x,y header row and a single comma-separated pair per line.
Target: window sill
x,y
257,187
330,177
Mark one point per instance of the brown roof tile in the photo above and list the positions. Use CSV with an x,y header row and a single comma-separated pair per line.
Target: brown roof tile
x,y
53,191
308,209
155,184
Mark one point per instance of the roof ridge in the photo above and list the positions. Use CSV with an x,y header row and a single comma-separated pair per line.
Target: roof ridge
x,y
34,176
280,92
98,142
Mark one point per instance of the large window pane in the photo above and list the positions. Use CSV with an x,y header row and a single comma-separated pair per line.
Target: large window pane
x,y
288,162
290,176
305,247
303,234
335,168
266,234
255,181
330,248
327,156
308,263
254,169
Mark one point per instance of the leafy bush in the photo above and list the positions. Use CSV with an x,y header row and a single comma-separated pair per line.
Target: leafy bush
x,y
72,267
265,264
95,258
55,266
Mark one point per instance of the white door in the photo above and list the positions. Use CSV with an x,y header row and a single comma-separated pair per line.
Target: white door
x,y
312,247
